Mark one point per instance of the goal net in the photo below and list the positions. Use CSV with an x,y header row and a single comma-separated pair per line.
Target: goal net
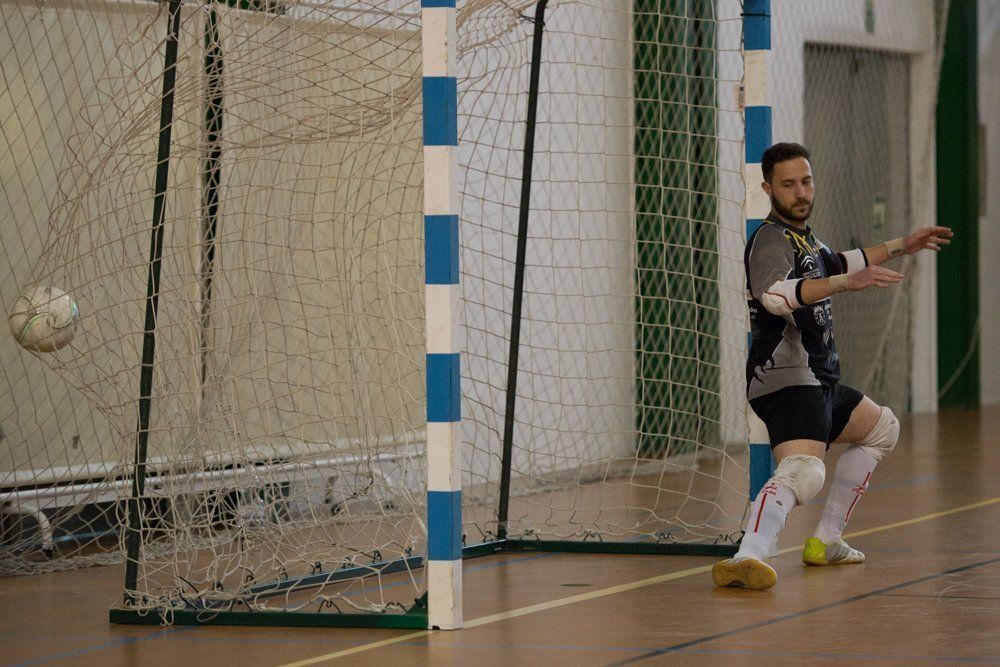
x,y
282,463
628,421
286,428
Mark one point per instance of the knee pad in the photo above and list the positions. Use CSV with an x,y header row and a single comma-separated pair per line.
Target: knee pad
x,y
803,475
883,437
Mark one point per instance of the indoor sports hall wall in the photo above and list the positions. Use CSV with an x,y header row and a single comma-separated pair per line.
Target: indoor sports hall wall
x,y
989,223
859,89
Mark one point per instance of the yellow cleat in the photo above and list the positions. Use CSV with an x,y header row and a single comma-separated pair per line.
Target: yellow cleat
x,y
815,552
744,573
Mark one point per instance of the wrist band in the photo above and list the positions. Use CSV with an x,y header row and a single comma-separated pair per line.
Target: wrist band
x,y
895,247
838,283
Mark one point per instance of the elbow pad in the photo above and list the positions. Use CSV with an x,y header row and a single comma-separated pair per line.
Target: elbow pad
x,y
783,297
853,260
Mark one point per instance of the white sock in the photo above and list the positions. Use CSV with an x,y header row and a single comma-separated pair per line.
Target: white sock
x,y
854,471
767,518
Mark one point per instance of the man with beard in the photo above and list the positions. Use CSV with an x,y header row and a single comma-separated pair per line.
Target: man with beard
x,y
793,371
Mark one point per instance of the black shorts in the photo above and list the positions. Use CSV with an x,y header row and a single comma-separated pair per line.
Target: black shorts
x,y
807,412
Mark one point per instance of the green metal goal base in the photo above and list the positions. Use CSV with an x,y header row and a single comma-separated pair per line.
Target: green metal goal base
x,y
723,550
414,618
598,547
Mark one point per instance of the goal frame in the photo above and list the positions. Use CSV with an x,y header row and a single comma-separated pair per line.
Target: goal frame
x,y
441,605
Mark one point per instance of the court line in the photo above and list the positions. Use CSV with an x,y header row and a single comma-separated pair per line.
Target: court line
x,y
169,632
941,596
113,643
723,651
612,590
804,612
937,659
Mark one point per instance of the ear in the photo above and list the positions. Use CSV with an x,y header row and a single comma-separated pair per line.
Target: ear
x,y
766,187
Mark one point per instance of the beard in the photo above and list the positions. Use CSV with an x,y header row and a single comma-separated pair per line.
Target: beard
x,y
789,213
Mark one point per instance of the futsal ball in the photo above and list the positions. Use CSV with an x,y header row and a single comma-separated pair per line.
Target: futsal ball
x,y
44,319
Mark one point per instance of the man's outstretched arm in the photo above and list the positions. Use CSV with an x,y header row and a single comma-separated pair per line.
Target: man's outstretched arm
x,y
928,238
874,275
817,289
861,270
784,296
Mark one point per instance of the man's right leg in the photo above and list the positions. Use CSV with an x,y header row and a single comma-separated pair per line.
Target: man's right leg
x,y
798,477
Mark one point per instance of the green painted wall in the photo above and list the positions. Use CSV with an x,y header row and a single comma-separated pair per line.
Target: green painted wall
x,y
957,207
676,225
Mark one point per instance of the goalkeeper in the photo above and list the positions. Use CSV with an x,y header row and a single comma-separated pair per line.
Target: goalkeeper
x,y
793,371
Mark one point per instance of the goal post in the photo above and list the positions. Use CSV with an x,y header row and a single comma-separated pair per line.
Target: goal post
x,y
443,305
757,114
133,538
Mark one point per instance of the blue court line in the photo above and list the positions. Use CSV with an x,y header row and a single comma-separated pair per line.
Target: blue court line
x,y
111,644
805,612
168,633
326,641
859,656
911,550
781,654
634,649
939,596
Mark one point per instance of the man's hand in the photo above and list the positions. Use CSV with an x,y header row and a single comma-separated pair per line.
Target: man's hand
x,y
928,238
817,289
874,276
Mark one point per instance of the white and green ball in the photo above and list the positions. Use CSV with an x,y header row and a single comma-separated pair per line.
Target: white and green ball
x,y
44,319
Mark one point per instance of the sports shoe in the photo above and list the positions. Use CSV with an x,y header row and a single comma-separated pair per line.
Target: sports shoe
x,y
816,552
744,573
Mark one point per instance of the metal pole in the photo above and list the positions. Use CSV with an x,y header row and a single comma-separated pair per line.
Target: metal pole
x,y
211,177
134,537
522,245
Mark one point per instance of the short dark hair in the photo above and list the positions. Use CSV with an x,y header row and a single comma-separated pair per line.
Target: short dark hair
x,y
780,153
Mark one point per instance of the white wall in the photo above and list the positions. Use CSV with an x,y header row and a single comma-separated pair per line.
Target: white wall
x,y
989,223
901,27
577,338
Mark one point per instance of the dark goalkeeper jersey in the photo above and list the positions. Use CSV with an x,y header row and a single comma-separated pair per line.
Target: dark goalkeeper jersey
x,y
795,349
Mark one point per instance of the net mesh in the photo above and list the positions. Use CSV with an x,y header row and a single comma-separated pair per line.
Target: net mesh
x,y
624,417
287,436
287,428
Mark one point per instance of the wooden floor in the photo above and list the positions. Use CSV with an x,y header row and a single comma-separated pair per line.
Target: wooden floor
x,y
929,593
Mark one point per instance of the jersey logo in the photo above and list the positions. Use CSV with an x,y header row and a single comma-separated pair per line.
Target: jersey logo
x,y
800,242
806,251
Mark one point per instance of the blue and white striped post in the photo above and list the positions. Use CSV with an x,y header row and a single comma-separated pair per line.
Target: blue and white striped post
x,y
757,124
444,329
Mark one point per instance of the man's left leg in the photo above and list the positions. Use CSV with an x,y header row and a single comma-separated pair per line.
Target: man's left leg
x,y
874,430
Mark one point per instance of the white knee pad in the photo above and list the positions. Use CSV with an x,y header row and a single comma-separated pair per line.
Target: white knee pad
x,y
883,437
802,474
